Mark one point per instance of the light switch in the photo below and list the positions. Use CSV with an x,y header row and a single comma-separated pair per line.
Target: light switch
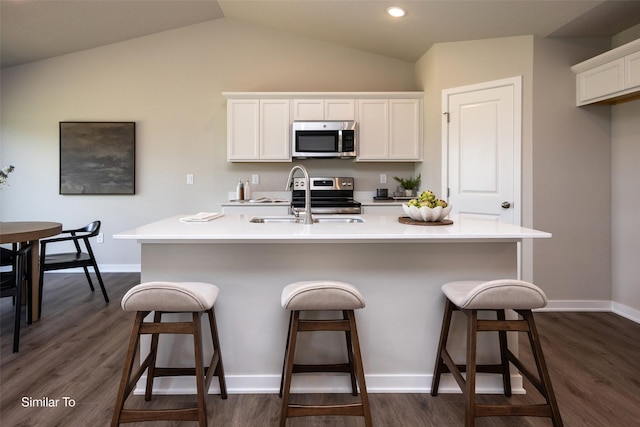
x,y
383,178
190,178
255,179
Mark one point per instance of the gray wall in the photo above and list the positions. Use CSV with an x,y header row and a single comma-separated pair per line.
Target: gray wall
x,y
566,162
170,84
571,176
625,205
625,197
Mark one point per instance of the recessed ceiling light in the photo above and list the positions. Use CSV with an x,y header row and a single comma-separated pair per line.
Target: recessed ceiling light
x,y
396,11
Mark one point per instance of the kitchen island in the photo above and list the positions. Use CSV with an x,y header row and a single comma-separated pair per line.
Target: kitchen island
x,y
399,269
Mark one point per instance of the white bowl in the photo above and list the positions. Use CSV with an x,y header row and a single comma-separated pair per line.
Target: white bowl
x,y
426,214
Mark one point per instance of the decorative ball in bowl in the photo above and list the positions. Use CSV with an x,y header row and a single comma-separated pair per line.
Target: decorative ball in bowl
x,y
427,208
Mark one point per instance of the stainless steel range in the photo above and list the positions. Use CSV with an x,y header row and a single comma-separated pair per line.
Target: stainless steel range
x,y
328,195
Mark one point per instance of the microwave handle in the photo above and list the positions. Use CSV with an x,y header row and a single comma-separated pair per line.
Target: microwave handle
x,y
340,141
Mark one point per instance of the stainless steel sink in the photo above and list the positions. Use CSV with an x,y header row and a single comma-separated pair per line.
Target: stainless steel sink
x,y
339,219
297,220
277,219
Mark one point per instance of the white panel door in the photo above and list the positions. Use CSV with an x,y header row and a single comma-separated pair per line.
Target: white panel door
x,y
482,137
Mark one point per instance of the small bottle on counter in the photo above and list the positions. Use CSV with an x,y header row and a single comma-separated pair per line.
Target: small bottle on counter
x,y
240,191
247,190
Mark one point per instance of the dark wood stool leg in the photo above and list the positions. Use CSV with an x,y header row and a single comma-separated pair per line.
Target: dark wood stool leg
x,y
124,389
440,366
199,369
215,366
359,368
543,371
504,359
288,372
153,351
352,369
284,359
470,392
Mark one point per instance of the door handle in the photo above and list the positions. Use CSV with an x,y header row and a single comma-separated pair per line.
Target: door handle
x,y
505,205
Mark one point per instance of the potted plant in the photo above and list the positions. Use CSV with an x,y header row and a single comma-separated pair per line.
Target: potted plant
x,y
409,184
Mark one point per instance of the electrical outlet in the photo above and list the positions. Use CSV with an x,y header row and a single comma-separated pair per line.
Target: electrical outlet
x,y
100,238
255,179
190,178
383,178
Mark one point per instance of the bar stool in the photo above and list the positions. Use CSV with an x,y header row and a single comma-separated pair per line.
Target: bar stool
x,y
470,297
169,297
323,295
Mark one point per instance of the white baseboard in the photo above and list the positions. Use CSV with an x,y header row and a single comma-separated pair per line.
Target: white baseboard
x,y
577,305
324,383
626,311
594,305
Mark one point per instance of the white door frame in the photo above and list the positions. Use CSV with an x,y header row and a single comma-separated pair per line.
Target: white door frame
x,y
516,82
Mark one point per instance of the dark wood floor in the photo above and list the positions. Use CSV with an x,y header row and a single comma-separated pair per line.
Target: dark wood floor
x,y
77,350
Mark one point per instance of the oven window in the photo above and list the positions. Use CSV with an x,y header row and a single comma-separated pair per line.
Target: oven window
x,y
317,141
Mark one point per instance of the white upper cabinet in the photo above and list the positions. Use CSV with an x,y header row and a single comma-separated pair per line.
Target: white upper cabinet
x,y
405,129
324,109
389,123
611,77
390,130
339,109
258,130
632,73
373,129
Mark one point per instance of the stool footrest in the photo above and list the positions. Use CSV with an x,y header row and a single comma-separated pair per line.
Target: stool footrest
x,y
355,409
166,328
337,367
323,325
135,415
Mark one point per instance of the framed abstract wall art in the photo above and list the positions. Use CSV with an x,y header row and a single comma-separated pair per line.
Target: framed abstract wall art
x,y
97,157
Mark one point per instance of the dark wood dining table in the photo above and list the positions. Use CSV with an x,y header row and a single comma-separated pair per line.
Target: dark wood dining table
x,y
23,232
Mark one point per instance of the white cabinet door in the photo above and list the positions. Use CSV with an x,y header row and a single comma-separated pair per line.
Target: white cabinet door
x,y
258,130
324,109
373,129
274,130
632,70
339,109
243,125
390,130
405,141
600,82
308,109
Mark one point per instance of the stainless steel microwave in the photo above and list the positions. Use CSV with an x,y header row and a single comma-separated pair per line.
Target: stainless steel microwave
x,y
325,139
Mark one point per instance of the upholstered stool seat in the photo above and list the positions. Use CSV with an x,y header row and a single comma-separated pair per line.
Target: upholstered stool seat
x,y
169,297
470,297
326,296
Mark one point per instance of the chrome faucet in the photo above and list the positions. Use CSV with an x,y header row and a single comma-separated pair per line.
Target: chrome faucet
x,y
308,219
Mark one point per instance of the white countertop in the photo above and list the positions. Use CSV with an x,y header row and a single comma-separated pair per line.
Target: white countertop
x,y
376,228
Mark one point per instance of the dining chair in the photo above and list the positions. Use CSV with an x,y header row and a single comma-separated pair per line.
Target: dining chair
x,y
11,284
82,257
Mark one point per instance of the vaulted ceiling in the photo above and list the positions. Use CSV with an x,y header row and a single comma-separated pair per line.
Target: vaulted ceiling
x,y
37,29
